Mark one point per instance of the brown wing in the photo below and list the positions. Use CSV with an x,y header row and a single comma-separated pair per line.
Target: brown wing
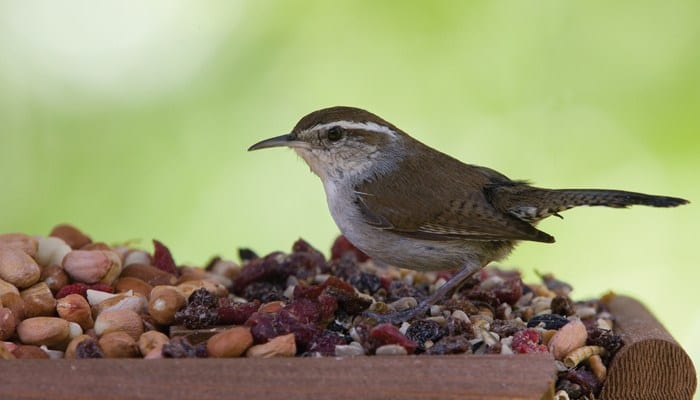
x,y
441,205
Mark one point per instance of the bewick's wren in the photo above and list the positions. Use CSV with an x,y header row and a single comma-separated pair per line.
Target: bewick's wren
x,y
406,204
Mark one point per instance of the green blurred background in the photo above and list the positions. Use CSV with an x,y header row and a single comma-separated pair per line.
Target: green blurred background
x,y
132,120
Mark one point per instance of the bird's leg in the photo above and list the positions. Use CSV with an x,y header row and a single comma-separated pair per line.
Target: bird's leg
x,y
397,317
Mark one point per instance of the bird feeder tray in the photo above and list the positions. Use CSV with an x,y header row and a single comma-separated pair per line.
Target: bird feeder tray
x,y
650,365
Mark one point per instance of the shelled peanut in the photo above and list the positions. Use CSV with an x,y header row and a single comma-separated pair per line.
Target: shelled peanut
x,y
65,295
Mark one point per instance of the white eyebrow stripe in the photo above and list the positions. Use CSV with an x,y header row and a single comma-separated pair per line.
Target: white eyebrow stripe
x,y
368,126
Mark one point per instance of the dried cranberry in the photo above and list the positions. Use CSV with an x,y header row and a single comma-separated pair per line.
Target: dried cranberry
x,y
162,259
346,297
75,288
102,287
304,310
342,245
509,292
389,334
235,313
262,326
325,343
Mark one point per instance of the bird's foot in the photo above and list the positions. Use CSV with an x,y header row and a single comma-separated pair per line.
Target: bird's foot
x,y
397,317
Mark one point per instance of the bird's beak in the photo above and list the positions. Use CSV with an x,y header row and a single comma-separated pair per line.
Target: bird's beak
x,y
287,140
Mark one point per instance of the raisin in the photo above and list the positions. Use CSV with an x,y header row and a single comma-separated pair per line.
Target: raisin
x,y
247,254
549,321
88,348
451,345
424,330
203,297
179,347
563,305
197,317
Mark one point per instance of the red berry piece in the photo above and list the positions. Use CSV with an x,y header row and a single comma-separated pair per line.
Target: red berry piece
x,y
527,341
342,245
75,288
162,259
389,334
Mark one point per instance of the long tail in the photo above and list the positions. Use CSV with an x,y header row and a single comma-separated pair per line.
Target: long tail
x,y
608,198
533,204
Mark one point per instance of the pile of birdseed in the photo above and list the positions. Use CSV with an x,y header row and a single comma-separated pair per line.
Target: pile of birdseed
x,y
95,300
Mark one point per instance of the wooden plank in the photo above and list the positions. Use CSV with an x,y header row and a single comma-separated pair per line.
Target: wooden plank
x,y
651,364
489,377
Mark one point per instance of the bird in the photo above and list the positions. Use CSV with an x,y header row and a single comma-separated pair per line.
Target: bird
x,y
406,204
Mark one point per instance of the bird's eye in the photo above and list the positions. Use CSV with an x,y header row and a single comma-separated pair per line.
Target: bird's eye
x,y
335,133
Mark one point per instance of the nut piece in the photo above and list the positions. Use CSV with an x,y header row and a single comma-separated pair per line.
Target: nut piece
x,y
271,307
23,351
38,301
280,346
569,337
164,302
92,266
124,284
18,268
71,235
14,302
51,251
6,351
121,301
136,257
118,345
7,287
149,274
47,331
75,308
152,340
231,342
8,323
391,350
54,276
19,241
119,320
